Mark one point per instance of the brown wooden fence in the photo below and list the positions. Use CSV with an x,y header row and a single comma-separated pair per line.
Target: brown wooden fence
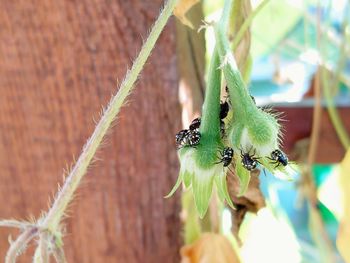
x,y
60,62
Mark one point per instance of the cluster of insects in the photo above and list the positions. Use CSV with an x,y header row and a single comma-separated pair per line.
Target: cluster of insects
x,y
277,157
250,161
188,137
191,137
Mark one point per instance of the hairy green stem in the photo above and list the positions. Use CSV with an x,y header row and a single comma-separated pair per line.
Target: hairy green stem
x,y
20,243
41,254
58,254
251,127
16,224
65,195
210,124
229,66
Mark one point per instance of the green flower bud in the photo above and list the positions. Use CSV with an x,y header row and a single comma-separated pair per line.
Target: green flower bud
x,y
200,165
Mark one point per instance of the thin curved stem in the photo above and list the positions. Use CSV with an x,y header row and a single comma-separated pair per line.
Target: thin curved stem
x,y
42,253
16,224
324,242
247,23
58,254
333,112
329,85
229,65
316,121
66,193
210,124
20,243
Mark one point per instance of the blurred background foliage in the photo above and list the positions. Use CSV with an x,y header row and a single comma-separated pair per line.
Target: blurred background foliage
x,y
300,65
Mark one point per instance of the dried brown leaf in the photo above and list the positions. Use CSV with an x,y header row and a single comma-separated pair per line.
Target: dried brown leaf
x,y
209,248
252,201
182,8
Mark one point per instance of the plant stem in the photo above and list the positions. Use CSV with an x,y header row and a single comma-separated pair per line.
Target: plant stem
x,y
20,244
322,240
210,124
41,254
65,195
16,224
247,23
229,66
329,85
59,255
332,110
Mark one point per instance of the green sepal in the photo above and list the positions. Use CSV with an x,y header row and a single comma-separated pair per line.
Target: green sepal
x,y
235,134
243,176
187,177
192,228
176,186
202,186
281,172
221,185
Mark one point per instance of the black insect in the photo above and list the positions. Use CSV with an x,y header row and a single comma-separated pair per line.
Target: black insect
x,y
195,124
193,138
279,158
224,109
249,161
187,138
226,156
180,136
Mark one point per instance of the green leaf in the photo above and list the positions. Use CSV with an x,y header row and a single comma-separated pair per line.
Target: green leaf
x,y
182,8
221,185
272,25
177,184
243,176
281,172
192,227
187,179
202,185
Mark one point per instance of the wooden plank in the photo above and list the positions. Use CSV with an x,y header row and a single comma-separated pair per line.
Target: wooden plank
x,y
298,126
59,63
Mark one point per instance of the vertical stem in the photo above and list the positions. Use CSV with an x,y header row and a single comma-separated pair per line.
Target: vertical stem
x,y
325,243
65,195
316,121
59,255
332,110
247,22
210,124
41,254
328,86
229,66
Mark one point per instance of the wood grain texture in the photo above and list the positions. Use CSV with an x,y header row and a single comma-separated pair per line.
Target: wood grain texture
x,y
59,64
298,126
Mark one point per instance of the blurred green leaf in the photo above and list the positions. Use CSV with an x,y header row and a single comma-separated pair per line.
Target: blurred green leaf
x,y
244,178
192,228
211,6
271,26
343,239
